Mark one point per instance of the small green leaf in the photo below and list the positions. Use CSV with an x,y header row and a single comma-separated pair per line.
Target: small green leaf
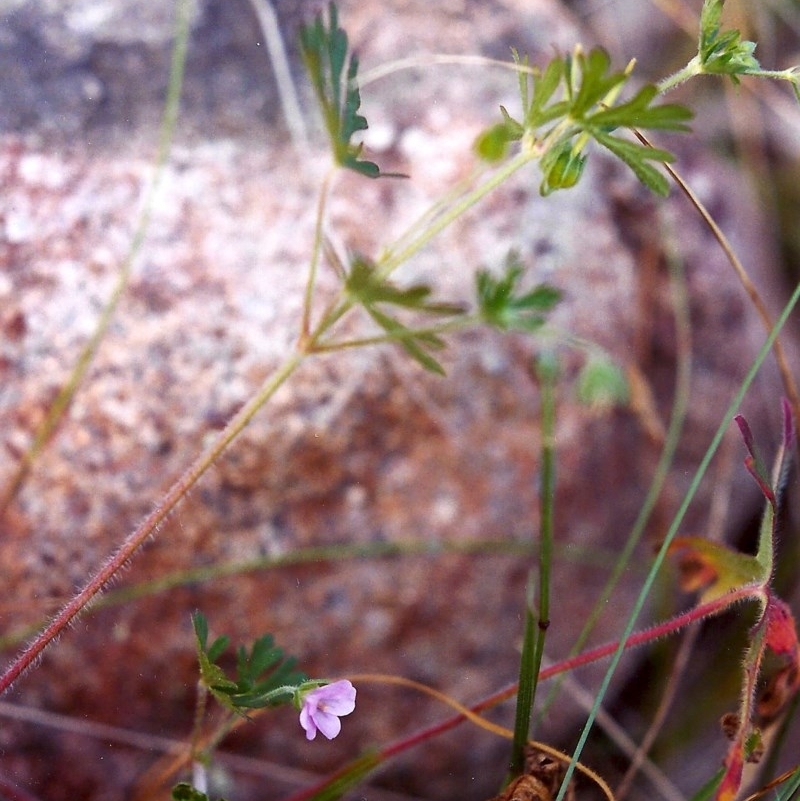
x,y
636,157
365,286
409,340
723,53
709,789
573,100
502,306
218,647
264,655
200,624
602,384
325,54
260,672
185,792
544,87
594,83
562,169
638,113
492,144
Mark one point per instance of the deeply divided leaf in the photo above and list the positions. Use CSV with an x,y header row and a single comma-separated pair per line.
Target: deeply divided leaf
x,y
572,100
503,305
637,157
365,286
333,75
639,113
260,672
723,53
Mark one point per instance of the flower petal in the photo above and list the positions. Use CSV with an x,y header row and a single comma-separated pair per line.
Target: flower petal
x,y
338,698
307,722
328,724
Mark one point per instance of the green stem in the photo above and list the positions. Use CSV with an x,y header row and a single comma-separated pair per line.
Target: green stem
x,y
691,70
536,625
308,297
412,333
547,371
434,210
525,692
389,261
199,717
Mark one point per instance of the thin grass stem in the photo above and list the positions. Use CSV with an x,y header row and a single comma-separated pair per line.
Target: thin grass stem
x,y
536,625
789,385
64,398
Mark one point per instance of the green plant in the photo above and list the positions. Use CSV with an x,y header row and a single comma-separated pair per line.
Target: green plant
x,y
573,101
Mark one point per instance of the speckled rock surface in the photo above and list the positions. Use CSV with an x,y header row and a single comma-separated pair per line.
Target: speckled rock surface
x,y
358,448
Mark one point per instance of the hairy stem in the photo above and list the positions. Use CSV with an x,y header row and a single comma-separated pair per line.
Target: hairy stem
x,y
148,526
390,261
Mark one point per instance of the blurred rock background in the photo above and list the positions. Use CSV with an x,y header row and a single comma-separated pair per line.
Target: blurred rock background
x,y
362,448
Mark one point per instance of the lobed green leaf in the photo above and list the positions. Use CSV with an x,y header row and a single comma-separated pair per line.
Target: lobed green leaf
x,y
595,84
723,53
636,157
365,286
412,342
637,113
325,54
259,672
502,306
583,108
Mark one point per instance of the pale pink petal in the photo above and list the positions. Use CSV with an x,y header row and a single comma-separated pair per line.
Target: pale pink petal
x,y
307,722
338,698
329,725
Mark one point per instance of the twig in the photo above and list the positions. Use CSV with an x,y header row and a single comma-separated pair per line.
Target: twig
x,y
789,386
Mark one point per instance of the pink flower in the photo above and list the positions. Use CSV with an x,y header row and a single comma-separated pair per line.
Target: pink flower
x,y
323,706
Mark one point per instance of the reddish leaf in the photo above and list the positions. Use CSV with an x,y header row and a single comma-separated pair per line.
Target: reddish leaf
x,y
777,694
781,638
715,568
754,463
